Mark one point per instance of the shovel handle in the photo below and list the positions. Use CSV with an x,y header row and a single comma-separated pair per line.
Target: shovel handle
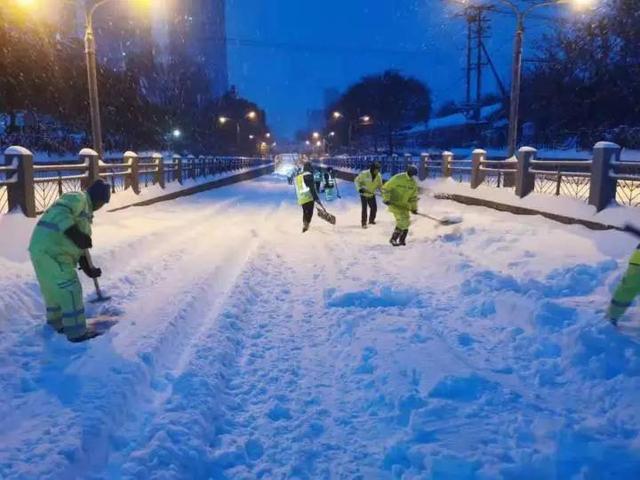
x,y
96,284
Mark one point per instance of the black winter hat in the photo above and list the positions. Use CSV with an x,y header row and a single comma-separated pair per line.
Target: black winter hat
x,y
307,167
99,192
375,166
412,171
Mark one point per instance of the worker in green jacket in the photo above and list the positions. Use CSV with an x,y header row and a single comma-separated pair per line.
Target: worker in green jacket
x,y
307,194
400,193
627,290
367,183
58,243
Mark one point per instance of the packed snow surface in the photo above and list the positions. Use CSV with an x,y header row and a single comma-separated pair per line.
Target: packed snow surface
x,y
245,349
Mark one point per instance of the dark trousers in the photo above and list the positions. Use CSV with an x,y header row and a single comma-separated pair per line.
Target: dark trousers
x,y
307,212
373,209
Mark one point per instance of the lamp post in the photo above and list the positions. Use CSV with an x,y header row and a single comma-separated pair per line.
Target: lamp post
x,y
516,65
251,115
92,75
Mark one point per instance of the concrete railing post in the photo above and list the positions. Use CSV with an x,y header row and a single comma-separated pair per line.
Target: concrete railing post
x,y
92,159
525,180
21,194
133,179
477,175
423,168
177,165
159,161
447,158
603,188
192,166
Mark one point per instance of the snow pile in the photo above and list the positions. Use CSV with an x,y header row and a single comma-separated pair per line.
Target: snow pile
x,y
615,215
245,349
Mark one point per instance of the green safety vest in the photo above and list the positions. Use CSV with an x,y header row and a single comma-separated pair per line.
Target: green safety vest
x,y
302,191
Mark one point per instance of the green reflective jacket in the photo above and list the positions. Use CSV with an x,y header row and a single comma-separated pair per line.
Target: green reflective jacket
x,y
365,180
48,237
401,191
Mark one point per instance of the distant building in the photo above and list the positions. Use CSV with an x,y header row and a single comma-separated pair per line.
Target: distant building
x,y
196,28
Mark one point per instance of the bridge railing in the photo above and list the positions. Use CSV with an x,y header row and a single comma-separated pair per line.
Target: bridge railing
x,y
33,187
601,180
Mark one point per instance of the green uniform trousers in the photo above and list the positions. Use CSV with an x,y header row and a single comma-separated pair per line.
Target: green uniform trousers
x,y
62,293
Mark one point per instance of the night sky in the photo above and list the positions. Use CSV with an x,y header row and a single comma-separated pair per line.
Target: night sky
x,y
285,53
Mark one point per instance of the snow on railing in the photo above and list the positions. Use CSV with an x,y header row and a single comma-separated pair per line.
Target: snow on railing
x,y
598,181
33,188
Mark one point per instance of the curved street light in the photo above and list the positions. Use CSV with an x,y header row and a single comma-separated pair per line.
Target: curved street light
x,y
90,54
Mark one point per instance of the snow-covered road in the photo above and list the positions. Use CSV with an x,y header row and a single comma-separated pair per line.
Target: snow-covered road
x,y
245,349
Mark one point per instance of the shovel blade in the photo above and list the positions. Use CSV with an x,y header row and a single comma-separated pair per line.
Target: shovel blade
x,y
100,299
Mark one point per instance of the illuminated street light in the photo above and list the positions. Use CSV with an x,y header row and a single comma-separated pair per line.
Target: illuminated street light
x,y
516,66
318,143
90,53
365,118
337,115
176,133
251,137
332,134
307,142
268,135
316,135
250,115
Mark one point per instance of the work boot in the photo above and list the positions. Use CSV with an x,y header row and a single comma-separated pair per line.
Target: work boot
x,y
402,240
395,237
364,226
305,227
88,334
372,222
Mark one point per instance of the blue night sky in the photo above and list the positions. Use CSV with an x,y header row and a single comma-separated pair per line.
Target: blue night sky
x,y
290,51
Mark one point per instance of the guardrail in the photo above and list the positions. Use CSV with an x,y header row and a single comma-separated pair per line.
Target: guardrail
x,y
599,181
33,187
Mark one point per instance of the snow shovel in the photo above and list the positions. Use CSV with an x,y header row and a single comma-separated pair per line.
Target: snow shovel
x,y
446,221
326,216
99,298
453,220
628,228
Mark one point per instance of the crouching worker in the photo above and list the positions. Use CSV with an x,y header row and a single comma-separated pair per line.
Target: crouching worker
x,y
307,194
400,194
58,244
627,290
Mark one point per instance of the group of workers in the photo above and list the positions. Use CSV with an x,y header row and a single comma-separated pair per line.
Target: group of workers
x,y
400,194
62,238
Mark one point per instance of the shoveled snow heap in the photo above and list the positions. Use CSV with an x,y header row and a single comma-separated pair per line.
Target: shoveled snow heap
x,y
248,350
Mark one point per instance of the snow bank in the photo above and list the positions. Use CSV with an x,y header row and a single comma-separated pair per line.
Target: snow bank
x,y
615,215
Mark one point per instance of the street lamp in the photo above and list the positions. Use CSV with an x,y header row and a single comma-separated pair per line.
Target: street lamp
x,y
176,133
90,54
223,120
516,67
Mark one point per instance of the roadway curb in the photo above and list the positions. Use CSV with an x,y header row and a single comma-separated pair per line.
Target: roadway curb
x,y
221,182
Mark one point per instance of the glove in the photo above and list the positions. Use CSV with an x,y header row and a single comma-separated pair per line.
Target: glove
x,y
82,240
89,271
362,191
